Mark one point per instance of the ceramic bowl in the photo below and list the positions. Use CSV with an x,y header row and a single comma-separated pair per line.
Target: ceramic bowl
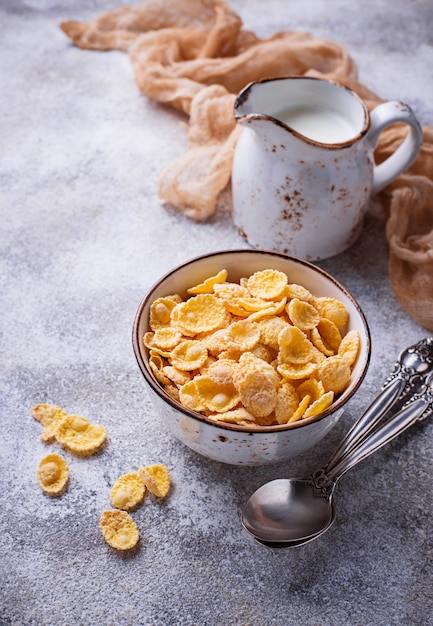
x,y
232,443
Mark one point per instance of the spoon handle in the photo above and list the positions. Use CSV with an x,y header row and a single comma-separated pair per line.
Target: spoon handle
x,y
418,408
408,373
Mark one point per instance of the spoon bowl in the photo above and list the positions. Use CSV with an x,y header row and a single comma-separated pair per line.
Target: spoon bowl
x,y
287,510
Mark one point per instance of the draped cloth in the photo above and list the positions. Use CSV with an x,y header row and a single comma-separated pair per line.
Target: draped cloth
x,y
195,56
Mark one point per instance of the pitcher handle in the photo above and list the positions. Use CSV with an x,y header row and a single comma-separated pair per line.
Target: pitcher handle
x,y
381,117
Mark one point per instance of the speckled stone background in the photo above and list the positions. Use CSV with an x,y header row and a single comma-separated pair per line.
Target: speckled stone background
x,y
82,237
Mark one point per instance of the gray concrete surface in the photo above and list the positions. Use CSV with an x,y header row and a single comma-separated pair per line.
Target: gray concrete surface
x,y
82,236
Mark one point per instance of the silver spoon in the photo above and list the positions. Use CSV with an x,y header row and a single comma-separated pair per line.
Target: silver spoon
x,y
322,512
292,512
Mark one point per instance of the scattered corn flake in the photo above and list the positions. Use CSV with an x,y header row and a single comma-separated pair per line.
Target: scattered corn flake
x,y
320,405
201,313
119,529
334,373
77,435
207,285
53,474
302,314
189,355
349,347
127,492
156,478
50,416
294,346
333,310
267,284
217,397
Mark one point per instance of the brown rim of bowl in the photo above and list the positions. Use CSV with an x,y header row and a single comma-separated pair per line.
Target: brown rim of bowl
x,y
153,383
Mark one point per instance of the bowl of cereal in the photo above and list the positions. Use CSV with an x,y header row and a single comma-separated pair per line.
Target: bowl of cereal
x,y
250,356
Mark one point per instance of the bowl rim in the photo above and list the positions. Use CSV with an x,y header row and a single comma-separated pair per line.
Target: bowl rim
x,y
159,390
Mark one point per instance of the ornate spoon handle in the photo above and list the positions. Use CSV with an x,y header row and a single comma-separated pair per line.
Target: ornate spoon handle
x,y
418,408
410,370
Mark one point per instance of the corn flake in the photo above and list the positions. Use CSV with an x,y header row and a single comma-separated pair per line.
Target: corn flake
x,y
244,333
53,474
270,328
274,309
333,310
160,311
235,416
293,371
189,355
50,416
294,346
119,529
231,291
257,391
349,347
312,387
222,371
298,291
156,478
302,407
287,403
178,377
320,405
334,373
156,364
189,397
77,435
127,492
267,284
302,314
167,338
201,313
217,397
207,286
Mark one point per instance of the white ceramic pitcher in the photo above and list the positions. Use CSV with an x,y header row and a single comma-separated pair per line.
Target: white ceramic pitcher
x,y
303,169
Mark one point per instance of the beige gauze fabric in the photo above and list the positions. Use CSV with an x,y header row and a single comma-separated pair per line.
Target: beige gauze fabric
x,y
195,56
